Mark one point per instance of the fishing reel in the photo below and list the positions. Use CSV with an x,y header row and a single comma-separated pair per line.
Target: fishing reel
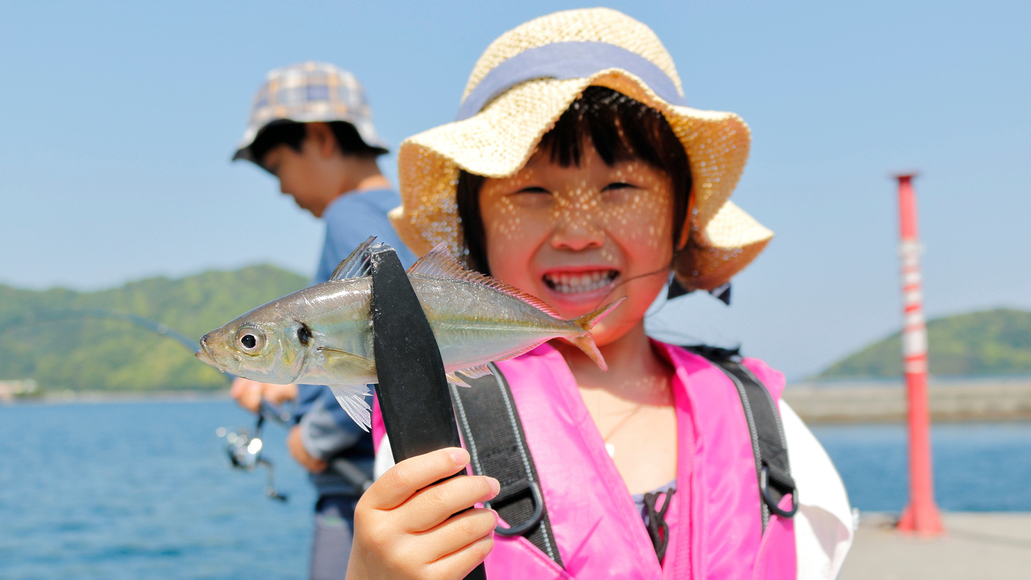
x,y
244,449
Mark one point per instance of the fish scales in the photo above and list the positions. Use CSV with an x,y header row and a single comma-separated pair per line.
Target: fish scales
x,y
473,323
323,334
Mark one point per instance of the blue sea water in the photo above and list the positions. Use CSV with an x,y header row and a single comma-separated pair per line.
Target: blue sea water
x,y
977,466
143,489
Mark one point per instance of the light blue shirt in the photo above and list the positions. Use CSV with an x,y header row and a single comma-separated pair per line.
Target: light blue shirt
x,y
327,429
353,217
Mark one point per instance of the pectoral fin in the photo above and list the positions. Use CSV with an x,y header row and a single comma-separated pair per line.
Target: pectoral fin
x,y
347,374
352,399
346,367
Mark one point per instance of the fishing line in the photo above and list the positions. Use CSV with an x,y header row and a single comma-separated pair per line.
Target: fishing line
x,y
668,334
665,270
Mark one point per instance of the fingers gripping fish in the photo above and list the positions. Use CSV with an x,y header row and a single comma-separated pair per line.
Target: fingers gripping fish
x,y
323,334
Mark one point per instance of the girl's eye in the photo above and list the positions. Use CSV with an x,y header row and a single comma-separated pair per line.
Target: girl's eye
x,y
532,197
533,189
617,185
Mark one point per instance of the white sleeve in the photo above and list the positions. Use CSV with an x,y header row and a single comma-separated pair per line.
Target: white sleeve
x,y
824,524
385,458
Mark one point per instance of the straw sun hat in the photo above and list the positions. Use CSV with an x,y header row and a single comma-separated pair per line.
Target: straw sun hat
x,y
519,88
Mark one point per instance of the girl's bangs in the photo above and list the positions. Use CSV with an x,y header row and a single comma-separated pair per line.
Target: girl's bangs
x,y
620,129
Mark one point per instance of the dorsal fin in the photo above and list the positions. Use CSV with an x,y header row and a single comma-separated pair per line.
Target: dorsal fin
x,y
357,264
439,263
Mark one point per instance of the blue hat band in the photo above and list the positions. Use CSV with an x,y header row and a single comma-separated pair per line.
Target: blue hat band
x,y
563,61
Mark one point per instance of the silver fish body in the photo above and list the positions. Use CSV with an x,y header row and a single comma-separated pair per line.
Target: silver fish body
x,y
474,324
323,334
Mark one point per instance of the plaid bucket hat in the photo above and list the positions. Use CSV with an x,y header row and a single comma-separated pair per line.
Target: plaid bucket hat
x,y
522,84
309,92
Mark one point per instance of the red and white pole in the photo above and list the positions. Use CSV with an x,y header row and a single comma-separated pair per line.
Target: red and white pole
x,y
921,515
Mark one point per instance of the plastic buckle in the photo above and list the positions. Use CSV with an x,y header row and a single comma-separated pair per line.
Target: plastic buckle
x,y
535,518
764,484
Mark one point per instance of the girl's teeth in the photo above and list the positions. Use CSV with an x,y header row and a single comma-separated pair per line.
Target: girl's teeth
x,y
586,282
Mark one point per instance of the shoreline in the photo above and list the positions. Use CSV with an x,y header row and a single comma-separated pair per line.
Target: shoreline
x,y
98,396
838,403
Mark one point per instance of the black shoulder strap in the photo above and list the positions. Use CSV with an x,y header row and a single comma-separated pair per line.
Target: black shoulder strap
x,y
494,437
768,443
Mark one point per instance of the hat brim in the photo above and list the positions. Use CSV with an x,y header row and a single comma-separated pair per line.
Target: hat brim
x,y
365,130
499,140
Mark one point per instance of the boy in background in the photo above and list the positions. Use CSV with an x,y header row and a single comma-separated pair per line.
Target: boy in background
x,y
311,128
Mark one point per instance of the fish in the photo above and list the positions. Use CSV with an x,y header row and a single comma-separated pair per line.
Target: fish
x,y
323,334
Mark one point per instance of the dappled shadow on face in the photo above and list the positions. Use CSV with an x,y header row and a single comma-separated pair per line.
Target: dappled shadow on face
x,y
582,235
592,206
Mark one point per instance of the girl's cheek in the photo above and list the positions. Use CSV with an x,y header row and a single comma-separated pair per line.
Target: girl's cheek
x,y
510,224
645,225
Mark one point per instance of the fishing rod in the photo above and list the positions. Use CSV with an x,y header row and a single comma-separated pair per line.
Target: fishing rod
x,y
100,314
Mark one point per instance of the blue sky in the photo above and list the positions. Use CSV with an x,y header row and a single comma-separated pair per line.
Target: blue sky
x,y
118,121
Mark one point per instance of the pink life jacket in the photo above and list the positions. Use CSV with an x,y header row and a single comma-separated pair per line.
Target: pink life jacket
x,y
714,520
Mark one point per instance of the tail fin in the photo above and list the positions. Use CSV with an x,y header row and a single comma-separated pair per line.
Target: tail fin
x,y
585,341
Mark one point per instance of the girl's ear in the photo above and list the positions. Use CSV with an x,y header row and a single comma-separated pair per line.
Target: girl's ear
x,y
322,137
685,230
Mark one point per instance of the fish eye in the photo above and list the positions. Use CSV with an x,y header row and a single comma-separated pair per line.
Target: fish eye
x,y
250,340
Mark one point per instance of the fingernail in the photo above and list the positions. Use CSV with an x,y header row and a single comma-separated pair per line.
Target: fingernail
x,y
495,486
460,456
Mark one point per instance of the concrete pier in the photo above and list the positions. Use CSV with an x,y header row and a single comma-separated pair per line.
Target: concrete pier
x,y
858,401
995,546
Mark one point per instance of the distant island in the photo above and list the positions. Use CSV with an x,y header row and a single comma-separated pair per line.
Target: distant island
x,y
44,345
42,339
991,343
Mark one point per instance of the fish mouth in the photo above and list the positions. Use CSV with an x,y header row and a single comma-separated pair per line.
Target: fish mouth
x,y
205,355
581,281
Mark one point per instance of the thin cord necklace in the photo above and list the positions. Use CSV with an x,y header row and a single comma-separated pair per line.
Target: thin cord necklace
x,y
609,447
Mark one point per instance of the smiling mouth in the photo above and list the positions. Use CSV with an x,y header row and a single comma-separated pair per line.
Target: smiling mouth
x,y
580,282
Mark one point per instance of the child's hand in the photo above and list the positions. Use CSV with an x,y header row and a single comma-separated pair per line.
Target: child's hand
x,y
404,529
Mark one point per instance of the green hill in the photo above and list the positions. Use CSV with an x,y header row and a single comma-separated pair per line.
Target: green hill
x,y
991,343
82,353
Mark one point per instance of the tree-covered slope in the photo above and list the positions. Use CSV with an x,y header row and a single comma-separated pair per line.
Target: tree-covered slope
x,y
996,342
82,353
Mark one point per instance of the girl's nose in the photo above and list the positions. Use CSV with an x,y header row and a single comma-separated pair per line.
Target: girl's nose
x,y
577,230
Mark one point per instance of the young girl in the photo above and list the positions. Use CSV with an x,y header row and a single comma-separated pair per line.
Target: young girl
x,y
575,172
